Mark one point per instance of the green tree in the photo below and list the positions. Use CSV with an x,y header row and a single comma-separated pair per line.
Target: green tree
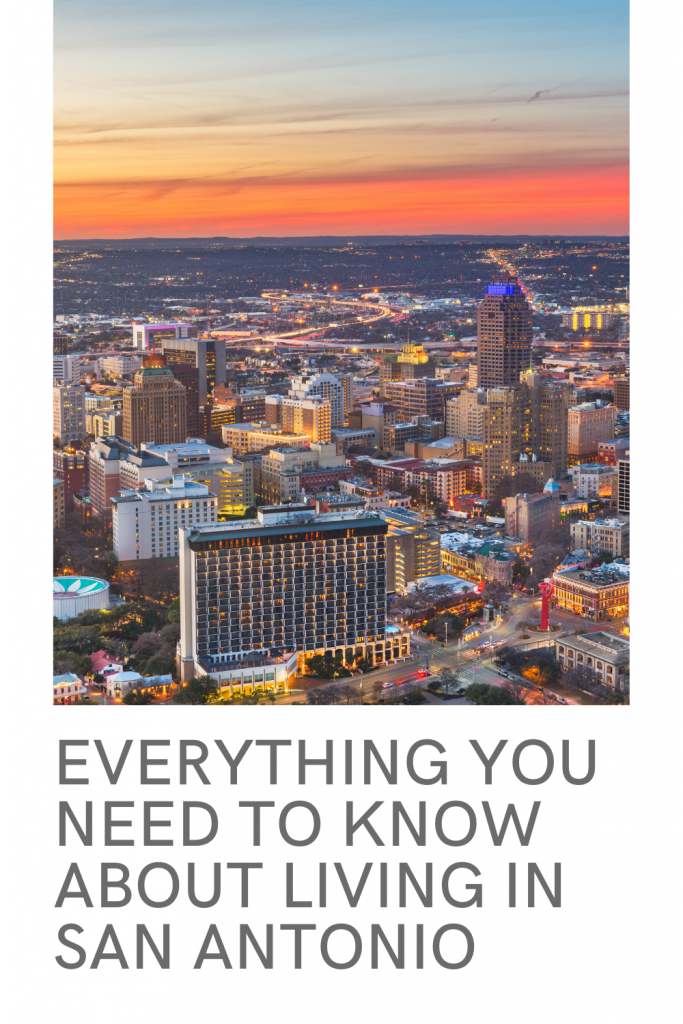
x,y
520,571
196,691
160,665
135,697
481,693
365,664
173,613
416,694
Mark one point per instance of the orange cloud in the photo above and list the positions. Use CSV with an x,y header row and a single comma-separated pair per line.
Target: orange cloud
x,y
583,201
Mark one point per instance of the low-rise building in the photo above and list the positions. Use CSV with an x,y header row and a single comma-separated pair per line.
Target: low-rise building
x,y
146,521
598,594
604,655
609,452
344,437
601,535
287,472
67,688
120,366
592,480
120,683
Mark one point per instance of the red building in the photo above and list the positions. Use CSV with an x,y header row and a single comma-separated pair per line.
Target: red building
x,y
71,466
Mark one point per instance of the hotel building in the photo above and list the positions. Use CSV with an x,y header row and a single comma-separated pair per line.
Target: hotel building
x,y
287,585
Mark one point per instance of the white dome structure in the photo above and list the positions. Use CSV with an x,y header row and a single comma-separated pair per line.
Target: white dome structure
x,y
552,486
72,595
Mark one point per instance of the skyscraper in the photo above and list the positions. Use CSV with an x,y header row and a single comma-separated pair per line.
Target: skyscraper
x,y
155,408
207,354
291,580
336,388
522,423
503,335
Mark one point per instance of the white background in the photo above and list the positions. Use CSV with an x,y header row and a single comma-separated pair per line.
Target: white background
x,y
608,954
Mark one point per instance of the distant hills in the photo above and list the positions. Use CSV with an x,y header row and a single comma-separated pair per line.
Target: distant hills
x,y
325,241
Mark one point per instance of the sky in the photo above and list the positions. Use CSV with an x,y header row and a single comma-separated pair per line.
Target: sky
x,y
212,117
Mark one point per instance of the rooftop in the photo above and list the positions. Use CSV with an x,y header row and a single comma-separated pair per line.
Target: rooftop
x,y
588,642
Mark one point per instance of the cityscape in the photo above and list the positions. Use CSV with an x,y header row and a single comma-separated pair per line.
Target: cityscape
x,y
342,470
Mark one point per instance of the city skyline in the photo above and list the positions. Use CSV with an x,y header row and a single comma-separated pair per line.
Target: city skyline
x,y
375,120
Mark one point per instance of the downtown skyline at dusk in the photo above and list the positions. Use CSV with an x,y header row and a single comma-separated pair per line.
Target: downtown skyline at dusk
x,y
204,120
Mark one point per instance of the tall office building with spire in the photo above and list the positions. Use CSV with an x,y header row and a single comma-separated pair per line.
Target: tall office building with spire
x,y
503,335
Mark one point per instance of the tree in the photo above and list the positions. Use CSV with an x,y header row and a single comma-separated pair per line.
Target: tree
x,y
433,686
495,592
347,691
520,571
481,693
416,694
545,561
160,665
173,613
134,697
196,691
365,664
147,645
600,557
446,678
377,689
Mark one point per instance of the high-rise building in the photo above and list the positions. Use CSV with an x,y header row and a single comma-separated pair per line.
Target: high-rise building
x,y
66,369
68,412
292,581
152,336
248,404
624,491
230,480
465,414
58,505
146,521
311,416
207,354
622,393
527,516
412,555
389,370
523,424
188,375
588,425
155,408
426,397
114,464
71,466
415,362
336,388
60,343
503,335
586,320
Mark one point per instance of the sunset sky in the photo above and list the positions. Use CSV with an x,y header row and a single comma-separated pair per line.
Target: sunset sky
x,y
209,117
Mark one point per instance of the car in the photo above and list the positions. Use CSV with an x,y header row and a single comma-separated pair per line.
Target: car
x,y
387,685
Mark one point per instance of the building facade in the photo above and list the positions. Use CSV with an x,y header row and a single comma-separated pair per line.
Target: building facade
x,y
604,655
291,581
622,393
146,522
309,416
67,369
68,412
465,414
527,516
588,425
337,389
421,397
206,354
624,486
503,335
601,593
58,505
71,466
155,408
152,336
595,535
592,480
